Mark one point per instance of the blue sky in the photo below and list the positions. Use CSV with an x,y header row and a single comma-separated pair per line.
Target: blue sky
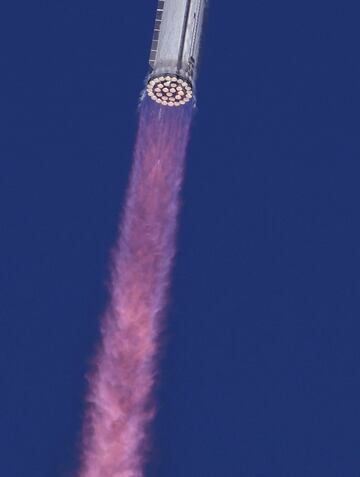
x,y
261,372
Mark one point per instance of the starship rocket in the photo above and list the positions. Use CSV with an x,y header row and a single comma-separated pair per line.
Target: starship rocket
x,y
175,51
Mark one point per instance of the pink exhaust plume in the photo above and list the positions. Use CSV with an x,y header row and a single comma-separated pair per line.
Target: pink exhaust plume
x,y
121,387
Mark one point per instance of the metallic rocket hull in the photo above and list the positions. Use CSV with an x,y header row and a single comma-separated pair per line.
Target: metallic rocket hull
x,y
175,51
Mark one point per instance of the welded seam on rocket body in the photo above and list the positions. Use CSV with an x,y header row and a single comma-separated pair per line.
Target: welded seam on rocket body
x,y
183,35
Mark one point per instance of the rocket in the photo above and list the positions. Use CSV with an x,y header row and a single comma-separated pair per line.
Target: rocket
x,y
175,51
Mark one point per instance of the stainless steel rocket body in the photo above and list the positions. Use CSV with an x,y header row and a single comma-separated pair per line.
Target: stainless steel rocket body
x,y
175,50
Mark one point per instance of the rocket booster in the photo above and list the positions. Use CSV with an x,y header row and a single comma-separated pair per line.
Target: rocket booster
x,y
175,51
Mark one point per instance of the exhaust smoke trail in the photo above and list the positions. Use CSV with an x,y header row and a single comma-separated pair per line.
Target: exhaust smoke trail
x,y
121,405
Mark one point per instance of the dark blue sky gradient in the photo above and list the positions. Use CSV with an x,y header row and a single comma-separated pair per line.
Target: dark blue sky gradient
x,y
261,377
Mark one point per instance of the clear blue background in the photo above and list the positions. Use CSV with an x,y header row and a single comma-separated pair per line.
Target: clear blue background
x,y
261,377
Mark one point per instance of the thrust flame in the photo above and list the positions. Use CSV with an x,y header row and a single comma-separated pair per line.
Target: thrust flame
x,y
120,399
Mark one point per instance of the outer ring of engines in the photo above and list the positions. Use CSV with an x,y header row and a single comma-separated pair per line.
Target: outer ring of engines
x,y
169,90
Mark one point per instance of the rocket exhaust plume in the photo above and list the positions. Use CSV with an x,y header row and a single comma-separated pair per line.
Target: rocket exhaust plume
x,y
121,387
